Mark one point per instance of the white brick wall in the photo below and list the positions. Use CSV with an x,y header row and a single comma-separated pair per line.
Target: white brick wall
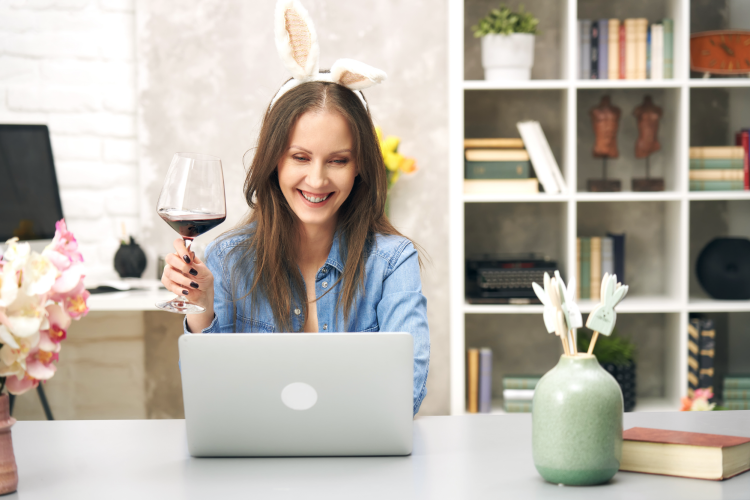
x,y
70,64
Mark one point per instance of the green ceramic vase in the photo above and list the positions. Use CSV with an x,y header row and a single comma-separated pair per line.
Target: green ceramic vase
x,y
577,423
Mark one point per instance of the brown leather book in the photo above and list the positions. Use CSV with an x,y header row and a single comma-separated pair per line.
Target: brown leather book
x,y
473,389
686,454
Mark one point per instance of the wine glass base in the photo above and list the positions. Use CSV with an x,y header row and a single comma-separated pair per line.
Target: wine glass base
x,y
180,306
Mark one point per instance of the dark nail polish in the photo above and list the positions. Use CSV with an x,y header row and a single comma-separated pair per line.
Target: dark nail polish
x,y
193,272
186,259
185,292
194,284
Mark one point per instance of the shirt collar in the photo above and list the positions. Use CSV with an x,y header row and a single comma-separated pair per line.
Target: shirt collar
x,y
334,256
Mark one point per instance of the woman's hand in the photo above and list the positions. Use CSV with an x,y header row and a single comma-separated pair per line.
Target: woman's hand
x,y
187,276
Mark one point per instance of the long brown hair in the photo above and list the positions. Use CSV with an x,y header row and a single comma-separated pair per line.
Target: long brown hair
x,y
271,246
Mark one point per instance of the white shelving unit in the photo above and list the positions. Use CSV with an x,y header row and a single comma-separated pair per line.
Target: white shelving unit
x,y
674,301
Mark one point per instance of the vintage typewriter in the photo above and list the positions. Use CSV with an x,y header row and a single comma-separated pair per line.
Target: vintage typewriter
x,y
505,279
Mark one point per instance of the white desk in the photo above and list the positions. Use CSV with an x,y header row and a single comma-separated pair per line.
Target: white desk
x,y
137,300
468,457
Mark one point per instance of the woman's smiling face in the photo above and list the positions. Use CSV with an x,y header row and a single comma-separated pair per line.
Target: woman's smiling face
x,y
317,171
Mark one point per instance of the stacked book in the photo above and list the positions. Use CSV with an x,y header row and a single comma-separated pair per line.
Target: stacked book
x,y
628,50
542,159
718,168
737,392
518,392
479,368
497,166
701,350
595,256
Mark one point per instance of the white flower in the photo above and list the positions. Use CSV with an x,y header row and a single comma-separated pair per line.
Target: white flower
x,y
39,274
16,251
8,285
26,315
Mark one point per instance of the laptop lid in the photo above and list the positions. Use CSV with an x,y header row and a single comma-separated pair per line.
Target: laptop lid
x,y
333,394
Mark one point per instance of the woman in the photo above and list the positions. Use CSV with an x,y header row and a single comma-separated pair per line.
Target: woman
x,y
317,253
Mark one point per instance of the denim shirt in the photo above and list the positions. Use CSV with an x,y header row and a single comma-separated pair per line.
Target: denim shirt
x,y
392,302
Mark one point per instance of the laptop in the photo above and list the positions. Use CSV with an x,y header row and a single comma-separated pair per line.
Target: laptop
x,y
298,394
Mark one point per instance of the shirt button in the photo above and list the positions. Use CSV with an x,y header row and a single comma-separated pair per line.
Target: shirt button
x,y
325,284
324,270
325,326
297,311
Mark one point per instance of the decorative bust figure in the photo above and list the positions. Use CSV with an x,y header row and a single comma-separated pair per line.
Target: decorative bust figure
x,y
605,118
648,115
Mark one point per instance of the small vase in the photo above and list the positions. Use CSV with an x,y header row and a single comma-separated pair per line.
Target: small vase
x,y
8,470
577,423
508,57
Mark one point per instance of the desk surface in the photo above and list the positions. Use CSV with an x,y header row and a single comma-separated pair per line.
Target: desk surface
x,y
467,457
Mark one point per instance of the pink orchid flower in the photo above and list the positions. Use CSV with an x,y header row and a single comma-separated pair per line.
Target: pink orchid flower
x,y
65,243
75,305
39,364
59,322
18,386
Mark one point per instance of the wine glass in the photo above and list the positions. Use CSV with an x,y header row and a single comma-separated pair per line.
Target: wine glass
x,y
191,202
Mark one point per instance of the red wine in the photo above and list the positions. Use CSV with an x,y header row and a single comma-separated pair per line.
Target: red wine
x,y
190,224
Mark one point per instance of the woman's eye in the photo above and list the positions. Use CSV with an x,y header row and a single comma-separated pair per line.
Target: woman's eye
x,y
299,158
341,161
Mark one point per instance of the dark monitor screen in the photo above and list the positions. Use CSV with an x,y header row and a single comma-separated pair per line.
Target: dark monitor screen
x,y
29,198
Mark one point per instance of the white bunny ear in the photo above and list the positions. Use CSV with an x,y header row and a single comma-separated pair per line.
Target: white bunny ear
x,y
296,40
541,294
620,294
603,289
355,75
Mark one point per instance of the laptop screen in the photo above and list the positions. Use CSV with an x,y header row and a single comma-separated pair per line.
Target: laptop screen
x,y
29,197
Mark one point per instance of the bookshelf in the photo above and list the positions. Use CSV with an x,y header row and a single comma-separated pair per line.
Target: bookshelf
x,y
665,230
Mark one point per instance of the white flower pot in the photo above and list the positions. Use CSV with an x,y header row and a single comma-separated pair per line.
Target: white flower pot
x,y
508,57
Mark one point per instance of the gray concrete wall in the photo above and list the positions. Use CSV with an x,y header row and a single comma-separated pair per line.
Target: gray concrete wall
x,y
208,69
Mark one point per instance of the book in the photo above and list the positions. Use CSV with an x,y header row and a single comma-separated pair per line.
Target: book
x,y
608,256
585,271
518,394
686,454
668,48
707,351
499,142
618,246
585,26
631,46
717,153
603,70
613,53
640,27
737,404
497,170
595,268
594,72
578,268
496,155
551,162
717,163
648,53
539,161
717,185
623,52
694,338
718,175
657,52
485,380
517,406
736,393
745,144
520,381
736,382
472,368
501,186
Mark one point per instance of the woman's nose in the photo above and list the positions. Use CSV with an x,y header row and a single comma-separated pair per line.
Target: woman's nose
x,y
316,177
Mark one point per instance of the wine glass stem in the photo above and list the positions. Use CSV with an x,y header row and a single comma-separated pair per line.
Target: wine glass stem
x,y
188,242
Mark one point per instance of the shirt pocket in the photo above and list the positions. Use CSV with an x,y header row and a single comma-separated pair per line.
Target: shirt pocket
x,y
247,325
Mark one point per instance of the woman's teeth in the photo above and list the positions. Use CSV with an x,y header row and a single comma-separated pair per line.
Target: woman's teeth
x,y
314,199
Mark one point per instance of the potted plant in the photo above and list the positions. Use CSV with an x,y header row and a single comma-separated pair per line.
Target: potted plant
x,y
507,43
39,296
616,355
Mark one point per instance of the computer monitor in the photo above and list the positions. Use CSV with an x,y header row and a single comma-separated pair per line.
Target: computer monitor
x,y
29,196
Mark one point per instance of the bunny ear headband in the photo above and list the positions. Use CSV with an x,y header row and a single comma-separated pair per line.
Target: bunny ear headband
x,y
298,48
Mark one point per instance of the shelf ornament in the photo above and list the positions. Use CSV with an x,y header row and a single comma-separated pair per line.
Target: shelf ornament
x,y
561,314
602,319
